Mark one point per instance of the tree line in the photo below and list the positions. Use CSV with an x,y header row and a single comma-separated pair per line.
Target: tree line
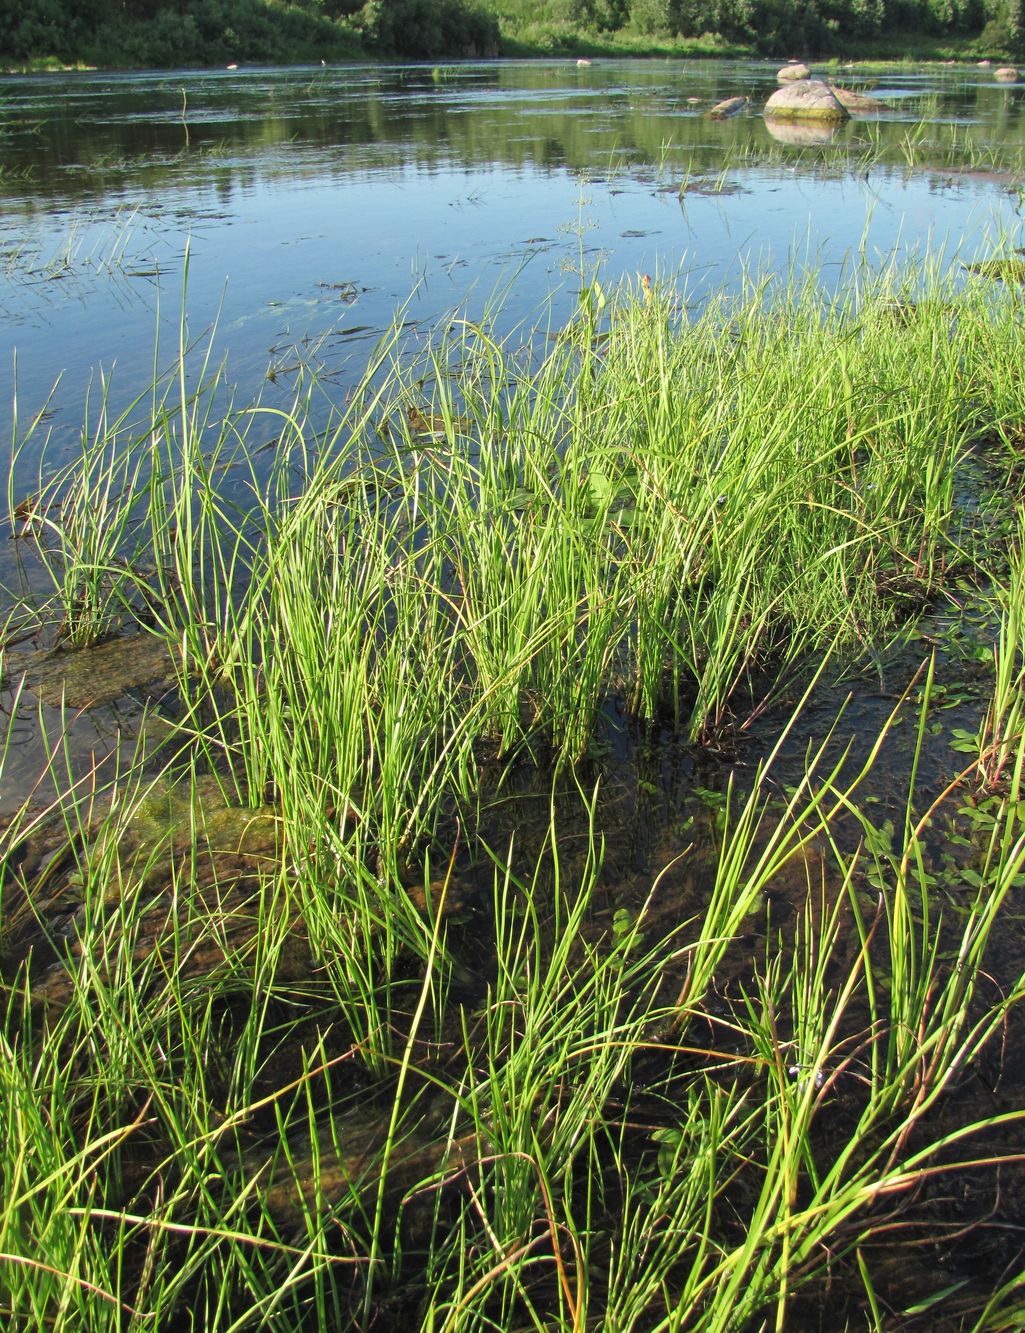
x,y
178,32
169,33
804,26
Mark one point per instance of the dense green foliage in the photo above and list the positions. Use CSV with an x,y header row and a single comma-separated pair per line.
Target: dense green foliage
x,y
160,33
771,26
203,32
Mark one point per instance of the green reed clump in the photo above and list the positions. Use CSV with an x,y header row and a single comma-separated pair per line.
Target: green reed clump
x,y
671,503
130,1070
191,1129
487,541
620,1142
1004,722
79,520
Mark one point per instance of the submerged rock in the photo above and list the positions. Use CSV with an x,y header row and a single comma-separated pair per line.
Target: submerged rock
x,y
732,106
809,99
1002,270
855,101
189,877
293,1185
206,935
449,897
180,879
84,677
174,818
795,70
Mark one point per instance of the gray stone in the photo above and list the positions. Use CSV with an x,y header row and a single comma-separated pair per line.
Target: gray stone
x,y
731,107
855,101
808,99
789,73
1006,74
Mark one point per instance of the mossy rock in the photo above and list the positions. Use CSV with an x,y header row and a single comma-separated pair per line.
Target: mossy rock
x,y
732,106
86,677
808,99
170,819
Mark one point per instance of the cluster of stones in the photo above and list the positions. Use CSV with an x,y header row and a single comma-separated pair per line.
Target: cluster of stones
x,y
806,99
802,98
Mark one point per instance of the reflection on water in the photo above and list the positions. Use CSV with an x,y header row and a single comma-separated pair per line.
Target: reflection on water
x,y
287,187
799,135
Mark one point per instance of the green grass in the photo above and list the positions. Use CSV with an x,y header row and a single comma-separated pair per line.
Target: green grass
x,y
526,34
300,1030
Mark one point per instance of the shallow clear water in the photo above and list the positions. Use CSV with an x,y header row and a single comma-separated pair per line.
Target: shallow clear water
x,y
312,202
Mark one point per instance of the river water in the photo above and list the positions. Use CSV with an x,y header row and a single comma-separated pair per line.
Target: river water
x,y
310,204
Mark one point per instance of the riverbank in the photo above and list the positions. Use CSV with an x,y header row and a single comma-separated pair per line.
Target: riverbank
x,y
547,42
900,48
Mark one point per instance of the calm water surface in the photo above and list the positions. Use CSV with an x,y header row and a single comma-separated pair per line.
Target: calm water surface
x,y
311,203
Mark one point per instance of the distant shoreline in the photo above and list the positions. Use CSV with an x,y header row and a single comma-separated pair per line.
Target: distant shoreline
x,y
605,47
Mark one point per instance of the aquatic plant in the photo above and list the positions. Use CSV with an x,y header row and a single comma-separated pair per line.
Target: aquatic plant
x,y
594,1080
301,1025
1004,722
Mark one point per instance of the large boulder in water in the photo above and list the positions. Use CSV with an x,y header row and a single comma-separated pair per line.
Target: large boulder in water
x,y
808,99
1006,74
790,73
